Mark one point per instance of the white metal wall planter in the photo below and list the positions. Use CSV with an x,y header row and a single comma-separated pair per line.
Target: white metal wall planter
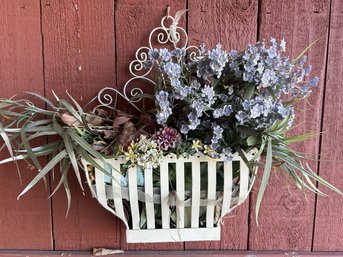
x,y
136,204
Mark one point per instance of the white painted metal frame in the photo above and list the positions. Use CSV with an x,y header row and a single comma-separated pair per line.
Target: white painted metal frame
x,y
173,36
187,203
162,195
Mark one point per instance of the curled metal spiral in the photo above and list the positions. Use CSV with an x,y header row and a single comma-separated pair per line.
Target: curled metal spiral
x,y
105,97
167,33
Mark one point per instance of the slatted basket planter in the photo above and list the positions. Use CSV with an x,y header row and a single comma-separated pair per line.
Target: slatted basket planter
x,y
188,203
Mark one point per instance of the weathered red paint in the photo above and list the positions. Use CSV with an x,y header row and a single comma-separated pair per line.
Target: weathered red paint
x,y
286,216
329,220
26,223
86,45
79,54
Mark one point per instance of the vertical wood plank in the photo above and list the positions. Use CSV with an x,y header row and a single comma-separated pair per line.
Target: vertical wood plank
x,y
134,22
234,25
329,220
21,69
80,57
286,217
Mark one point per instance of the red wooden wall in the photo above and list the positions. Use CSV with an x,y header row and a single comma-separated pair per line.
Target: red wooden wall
x,y
84,45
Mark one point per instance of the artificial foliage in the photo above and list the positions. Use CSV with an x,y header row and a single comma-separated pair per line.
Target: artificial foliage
x,y
219,103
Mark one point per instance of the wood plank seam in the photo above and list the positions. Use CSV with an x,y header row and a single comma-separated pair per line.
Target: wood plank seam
x,y
322,122
44,91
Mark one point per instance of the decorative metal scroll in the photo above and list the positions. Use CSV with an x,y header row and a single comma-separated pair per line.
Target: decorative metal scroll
x,y
165,35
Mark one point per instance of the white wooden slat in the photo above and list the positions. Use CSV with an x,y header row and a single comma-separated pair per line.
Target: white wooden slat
x,y
149,193
132,174
227,192
164,184
181,233
100,186
243,182
180,189
211,193
195,194
116,189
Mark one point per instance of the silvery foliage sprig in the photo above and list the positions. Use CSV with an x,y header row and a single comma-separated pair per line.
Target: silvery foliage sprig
x,y
238,100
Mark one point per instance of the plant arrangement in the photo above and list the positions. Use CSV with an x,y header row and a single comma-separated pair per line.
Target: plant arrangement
x,y
219,103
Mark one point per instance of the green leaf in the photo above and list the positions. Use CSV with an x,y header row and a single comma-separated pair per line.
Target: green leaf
x,y
29,149
300,138
260,151
44,171
246,131
91,160
83,144
64,168
249,91
244,158
6,140
265,177
252,140
67,190
71,109
69,148
38,151
82,115
44,99
36,135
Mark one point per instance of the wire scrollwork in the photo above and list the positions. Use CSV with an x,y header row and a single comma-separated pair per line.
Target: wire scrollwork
x,y
168,33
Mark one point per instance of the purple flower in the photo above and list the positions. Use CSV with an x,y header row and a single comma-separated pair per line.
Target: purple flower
x,y
166,138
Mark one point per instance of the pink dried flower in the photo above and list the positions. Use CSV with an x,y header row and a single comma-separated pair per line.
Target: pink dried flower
x,y
166,138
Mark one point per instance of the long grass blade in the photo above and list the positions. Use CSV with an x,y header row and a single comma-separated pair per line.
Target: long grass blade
x,y
6,140
69,148
44,99
44,171
265,177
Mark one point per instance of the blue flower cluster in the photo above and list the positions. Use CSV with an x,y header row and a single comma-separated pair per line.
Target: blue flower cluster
x,y
266,67
165,110
262,111
200,99
208,97
213,64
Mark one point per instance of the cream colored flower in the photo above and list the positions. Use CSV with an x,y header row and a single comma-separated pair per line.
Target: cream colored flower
x,y
130,155
196,145
208,150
